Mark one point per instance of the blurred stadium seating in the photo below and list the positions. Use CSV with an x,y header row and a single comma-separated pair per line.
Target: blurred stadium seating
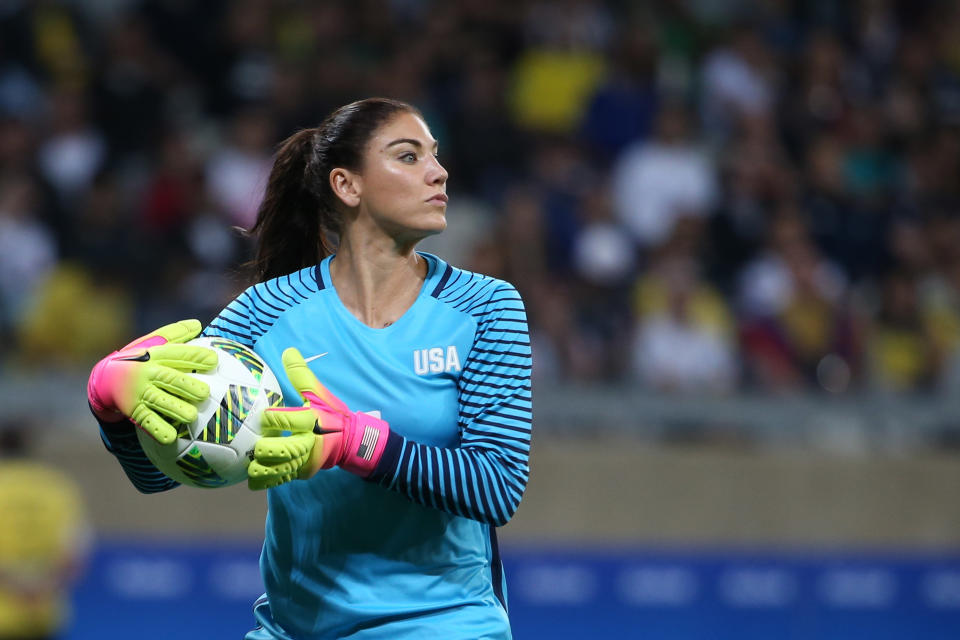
x,y
735,224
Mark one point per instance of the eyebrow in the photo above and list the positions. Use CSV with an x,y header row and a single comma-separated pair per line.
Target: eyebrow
x,y
416,143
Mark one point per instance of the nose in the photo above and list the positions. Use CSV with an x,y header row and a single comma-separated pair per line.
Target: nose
x,y
436,174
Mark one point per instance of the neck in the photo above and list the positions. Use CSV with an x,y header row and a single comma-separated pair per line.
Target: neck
x,y
377,282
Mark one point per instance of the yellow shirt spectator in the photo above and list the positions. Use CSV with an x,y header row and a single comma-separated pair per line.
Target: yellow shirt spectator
x,y
42,540
551,88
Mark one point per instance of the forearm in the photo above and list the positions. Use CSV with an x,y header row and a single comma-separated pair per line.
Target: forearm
x,y
478,483
120,439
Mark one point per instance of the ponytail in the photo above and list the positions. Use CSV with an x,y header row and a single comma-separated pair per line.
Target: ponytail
x,y
299,209
288,226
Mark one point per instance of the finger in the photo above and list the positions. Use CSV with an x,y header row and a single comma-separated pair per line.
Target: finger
x,y
276,451
286,470
153,424
180,384
298,372
256,483
306,384
184,356
271,453
181,331
168,405
260,477
275,422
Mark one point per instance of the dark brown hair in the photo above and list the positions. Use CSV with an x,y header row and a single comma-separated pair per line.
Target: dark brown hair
x,y
299,209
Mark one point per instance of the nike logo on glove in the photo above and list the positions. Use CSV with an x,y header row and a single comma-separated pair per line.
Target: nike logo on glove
x,y
312,358
320,431
143,357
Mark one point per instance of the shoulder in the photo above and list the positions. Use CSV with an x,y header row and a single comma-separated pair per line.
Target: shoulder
x,y
257,308
287,290
269,298
471,292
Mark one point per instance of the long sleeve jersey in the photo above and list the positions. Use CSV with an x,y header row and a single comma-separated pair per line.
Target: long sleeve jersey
x,y
413,547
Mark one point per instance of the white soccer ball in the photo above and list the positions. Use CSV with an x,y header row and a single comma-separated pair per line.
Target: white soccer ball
x,y
215,449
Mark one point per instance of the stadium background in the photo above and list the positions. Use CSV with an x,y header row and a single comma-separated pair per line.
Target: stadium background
x,y
735,223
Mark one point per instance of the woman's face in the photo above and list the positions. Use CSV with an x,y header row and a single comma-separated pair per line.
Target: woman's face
x,y
402,186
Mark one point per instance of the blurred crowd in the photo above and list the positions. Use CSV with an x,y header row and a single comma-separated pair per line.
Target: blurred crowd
x,y
691,195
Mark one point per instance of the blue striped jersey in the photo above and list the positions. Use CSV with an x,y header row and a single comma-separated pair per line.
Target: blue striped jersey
x,y
412,550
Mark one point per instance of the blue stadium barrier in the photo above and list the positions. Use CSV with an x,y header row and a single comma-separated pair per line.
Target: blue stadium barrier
x,y
204,590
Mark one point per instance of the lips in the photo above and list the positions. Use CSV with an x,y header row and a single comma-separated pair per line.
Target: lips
x,y
440,198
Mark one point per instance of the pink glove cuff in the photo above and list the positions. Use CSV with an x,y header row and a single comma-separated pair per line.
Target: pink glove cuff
x,y
365,441
94,393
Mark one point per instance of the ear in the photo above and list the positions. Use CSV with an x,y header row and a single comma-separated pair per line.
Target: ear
x,y
347,186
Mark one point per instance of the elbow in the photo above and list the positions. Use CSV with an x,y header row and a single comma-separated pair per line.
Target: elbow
x,y
503,516
146,490
149,489
506,510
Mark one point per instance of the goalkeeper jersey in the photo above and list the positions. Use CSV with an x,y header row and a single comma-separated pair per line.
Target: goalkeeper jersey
x,y
410,552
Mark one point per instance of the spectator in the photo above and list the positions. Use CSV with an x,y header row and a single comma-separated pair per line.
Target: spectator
x,y
738,82
75,150
44,540
128,91
174,190
555,76
659,181
757,174
21,95
561,176
820,92
27,249
622,109
940,294
684,330
902,352
479,124
604,255
566,352
793,303
237,172
72,316
604,262
524,236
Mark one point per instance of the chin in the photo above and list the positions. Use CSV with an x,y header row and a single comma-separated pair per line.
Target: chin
x,y
434,223
424,229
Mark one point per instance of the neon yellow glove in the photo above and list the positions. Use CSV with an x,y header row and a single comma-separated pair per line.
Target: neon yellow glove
x,y
279,458
147,381
323,433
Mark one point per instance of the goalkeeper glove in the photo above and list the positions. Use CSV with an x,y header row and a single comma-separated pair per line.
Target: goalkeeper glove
x,y
146,381
323,433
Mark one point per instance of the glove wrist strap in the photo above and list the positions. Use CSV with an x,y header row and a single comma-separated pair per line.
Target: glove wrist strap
x,y
365,445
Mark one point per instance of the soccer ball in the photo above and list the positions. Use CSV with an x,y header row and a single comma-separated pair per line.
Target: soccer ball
x,y
215,449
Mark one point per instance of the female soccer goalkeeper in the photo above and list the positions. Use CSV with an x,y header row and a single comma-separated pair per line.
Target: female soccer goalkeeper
x,y
380,524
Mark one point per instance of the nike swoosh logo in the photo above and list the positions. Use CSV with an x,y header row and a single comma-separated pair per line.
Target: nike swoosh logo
x,y
143,357
312,358
320,431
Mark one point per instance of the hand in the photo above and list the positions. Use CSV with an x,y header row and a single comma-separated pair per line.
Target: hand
x,y
323,433
147,381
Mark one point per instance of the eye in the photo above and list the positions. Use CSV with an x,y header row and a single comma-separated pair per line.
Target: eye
x,y
408,156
